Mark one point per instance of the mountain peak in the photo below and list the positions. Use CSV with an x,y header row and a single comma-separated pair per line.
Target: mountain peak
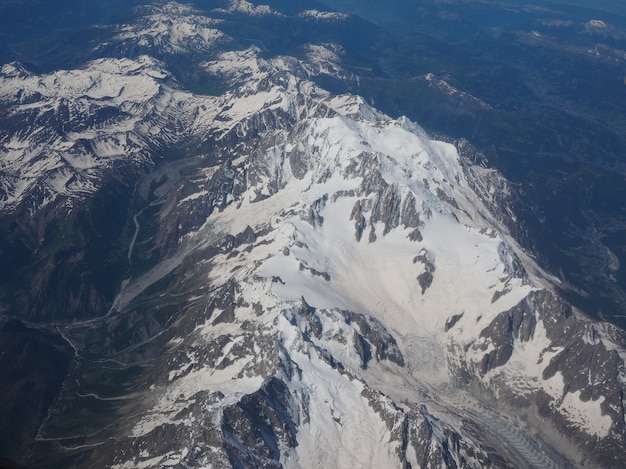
x,y
293,277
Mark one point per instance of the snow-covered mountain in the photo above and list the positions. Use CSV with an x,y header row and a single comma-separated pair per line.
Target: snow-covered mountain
x,y
308,282
170,28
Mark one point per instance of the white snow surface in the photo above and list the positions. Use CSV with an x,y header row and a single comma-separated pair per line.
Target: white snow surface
x,y
153,111
341,426
470,264
243,6
323,15
171,28
153,108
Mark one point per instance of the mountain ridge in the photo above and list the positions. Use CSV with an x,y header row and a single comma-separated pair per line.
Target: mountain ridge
x,y
308,282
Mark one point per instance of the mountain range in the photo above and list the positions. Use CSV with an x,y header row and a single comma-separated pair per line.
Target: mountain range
x,y
218,257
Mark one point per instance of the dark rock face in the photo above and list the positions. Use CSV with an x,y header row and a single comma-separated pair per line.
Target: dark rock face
x,y
434,443
372,335
517,323
370,338
452,321
386,208
259,425
578,359
425,279
314,217
359,220
384,204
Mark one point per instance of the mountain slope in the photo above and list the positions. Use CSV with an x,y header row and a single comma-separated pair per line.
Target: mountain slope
x,y
302,281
